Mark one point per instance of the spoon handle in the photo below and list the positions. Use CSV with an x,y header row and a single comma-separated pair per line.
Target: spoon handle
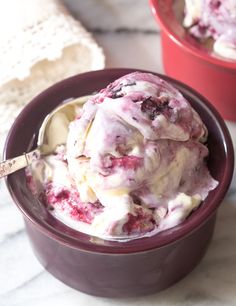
x,y
11,165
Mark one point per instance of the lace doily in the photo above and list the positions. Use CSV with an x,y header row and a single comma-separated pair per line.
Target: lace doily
x,y
41,43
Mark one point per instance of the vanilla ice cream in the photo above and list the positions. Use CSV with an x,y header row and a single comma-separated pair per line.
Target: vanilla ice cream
x,y
215,19
133,165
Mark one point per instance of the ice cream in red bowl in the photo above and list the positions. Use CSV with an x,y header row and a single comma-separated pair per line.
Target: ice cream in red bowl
x,y
98,264
199,47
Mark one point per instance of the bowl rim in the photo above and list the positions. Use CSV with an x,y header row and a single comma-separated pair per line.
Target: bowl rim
x,y
170,236
161,17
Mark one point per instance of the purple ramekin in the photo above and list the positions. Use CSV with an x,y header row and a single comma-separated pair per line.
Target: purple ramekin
x,y
116,269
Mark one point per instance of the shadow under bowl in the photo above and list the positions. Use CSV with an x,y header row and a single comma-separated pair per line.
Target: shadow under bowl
x,y
189,61
106,268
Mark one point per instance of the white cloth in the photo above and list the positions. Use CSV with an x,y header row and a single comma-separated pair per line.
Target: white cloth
x,y
41,43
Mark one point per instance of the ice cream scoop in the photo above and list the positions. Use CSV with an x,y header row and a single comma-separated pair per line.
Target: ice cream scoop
x,y
52,133
133,163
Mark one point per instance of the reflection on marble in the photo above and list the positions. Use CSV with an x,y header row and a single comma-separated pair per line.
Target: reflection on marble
x,y
131,50
23,282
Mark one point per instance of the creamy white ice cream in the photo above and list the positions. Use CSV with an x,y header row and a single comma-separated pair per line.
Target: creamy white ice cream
x,y
216,19
133,164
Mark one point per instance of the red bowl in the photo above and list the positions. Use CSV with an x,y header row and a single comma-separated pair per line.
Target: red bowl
x,y
186,60
116,269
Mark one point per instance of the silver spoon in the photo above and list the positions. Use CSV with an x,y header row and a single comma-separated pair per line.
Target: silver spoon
x,y
49,137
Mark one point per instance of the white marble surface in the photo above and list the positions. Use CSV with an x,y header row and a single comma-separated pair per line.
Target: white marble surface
x,y
23,282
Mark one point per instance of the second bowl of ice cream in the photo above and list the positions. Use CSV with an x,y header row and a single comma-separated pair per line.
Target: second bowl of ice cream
x,y
199,47
116,209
